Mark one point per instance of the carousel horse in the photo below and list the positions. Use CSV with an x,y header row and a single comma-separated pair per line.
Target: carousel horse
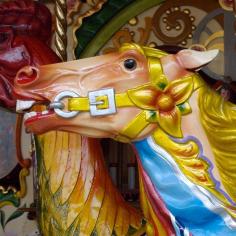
x,y
183,132
74,188
25,27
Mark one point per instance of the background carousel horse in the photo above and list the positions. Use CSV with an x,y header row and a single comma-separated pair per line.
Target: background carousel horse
x,y
75,191
184,133
25,29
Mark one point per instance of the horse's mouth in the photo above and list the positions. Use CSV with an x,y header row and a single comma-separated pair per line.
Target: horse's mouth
x,y
32,116
33,110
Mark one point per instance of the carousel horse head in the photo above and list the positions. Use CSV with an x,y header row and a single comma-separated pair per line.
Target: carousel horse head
x,y
110,91
184,132
25,26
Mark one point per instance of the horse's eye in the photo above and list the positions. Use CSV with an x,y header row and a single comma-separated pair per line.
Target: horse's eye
x,y
130,64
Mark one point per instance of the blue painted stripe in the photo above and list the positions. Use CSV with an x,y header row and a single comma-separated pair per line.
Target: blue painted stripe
x,y
179,197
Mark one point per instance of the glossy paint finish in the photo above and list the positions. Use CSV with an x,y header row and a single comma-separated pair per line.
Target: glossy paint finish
x,y
65,161
176,177
190,207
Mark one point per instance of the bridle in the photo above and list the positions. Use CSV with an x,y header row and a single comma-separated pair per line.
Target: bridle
x,y
105,101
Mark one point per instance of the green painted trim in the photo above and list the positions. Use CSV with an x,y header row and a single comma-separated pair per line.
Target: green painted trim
x,y
94,23
115,24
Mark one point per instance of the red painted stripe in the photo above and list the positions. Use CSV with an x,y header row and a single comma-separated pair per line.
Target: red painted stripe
x,y
156,202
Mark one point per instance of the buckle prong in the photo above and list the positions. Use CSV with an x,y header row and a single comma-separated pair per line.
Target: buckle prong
x,y
94,104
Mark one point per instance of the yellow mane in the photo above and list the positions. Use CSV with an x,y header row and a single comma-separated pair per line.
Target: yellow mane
x,y
218,118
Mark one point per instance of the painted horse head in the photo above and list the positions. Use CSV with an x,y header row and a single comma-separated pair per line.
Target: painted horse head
x,y
138,76
184,133
25,28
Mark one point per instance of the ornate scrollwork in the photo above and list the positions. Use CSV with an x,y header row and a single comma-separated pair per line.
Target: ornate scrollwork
x,y
179,24
73,6
10,195
125,35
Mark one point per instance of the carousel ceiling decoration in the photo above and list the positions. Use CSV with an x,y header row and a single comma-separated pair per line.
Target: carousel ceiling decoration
x,y
190,24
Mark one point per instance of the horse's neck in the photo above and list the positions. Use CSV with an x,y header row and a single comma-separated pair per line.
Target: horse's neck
x,y
193,153
169,191
191,126
75,190
180,176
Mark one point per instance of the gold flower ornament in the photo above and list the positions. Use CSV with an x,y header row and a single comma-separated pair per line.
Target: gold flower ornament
x,y
165,106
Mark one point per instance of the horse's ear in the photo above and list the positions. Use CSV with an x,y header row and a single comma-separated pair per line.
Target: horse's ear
x,y
192,59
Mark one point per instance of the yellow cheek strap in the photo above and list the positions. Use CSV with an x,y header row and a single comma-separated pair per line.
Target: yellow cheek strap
x,y
133,129
127,99
122,100
83,103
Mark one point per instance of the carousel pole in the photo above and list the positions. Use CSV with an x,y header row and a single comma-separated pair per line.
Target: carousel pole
x,y
61,29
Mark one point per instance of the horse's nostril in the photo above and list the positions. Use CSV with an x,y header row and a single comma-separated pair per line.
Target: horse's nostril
x,y
27,75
